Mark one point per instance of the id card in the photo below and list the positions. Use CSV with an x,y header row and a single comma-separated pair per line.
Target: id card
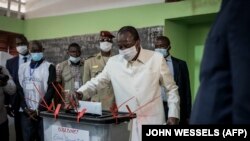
x,y
77,85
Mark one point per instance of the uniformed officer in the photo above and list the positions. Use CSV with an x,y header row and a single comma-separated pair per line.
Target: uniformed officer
x,y
94,65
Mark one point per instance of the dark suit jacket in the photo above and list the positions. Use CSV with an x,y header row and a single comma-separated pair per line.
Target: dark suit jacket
x,y
12,65
181,77
223,96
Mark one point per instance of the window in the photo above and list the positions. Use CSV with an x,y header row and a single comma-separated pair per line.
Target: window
x,y
13,7
4,3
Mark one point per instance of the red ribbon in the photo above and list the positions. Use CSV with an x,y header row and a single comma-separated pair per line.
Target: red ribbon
x,y
81,114
41,96
57,110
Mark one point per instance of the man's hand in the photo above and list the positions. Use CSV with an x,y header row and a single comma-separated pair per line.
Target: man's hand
x,y
79,95
83,97
172,121
32,114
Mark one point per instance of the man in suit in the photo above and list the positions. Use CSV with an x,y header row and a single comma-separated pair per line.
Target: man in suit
x,y
179,70
223,96
13,102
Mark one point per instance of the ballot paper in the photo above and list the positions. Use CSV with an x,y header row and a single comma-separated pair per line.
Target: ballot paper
x,y
91,107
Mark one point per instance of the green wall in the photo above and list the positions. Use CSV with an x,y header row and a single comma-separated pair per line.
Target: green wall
x,y
187,37
113,19
11,25
177,33
197,34
186,23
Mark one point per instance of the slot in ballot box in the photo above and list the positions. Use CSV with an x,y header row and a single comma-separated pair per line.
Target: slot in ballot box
x,y
89,128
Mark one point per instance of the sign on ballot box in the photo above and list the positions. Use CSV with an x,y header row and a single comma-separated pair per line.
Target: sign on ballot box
x,y
65,134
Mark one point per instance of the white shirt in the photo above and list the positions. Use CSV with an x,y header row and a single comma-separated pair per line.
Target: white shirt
x,y
21,61
140,79
171,68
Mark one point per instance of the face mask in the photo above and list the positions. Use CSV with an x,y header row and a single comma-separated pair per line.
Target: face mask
x,y
74,59
105,46
36,56
22,49
128,53
163,51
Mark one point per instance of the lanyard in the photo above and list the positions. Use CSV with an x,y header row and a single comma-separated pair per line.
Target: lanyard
x,y
32,72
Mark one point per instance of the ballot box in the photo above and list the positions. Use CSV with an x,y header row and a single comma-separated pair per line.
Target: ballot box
x,y
89,128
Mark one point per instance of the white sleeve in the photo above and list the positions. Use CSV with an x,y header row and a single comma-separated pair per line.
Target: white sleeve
x,y
102,80
168,82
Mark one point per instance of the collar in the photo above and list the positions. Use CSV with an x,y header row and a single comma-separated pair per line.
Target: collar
x,y
80,64
99,55
21,56
142,57
169,58
36,64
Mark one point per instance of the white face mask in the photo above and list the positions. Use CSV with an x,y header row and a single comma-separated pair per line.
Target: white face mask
x,y
128,53
163,51
22,49
105,46
74,59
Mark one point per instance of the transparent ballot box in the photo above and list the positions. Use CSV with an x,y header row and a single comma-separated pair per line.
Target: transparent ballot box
x,y
89,128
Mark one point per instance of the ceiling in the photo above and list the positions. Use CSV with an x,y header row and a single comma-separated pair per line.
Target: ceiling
x,y
45,8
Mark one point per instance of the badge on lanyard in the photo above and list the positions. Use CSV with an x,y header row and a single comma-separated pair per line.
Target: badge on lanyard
x,y
77,85
32,71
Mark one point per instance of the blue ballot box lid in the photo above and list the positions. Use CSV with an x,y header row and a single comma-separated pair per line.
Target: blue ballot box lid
x,y
105,118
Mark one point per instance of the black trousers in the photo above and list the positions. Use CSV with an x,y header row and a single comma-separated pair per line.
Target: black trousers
x,y
4,131
32,130
18,129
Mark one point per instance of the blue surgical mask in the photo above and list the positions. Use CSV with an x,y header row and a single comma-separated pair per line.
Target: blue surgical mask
x,y
74,59
37,56
163,51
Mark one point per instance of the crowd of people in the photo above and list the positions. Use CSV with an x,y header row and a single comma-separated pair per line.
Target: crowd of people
x,y
29,83
158,82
